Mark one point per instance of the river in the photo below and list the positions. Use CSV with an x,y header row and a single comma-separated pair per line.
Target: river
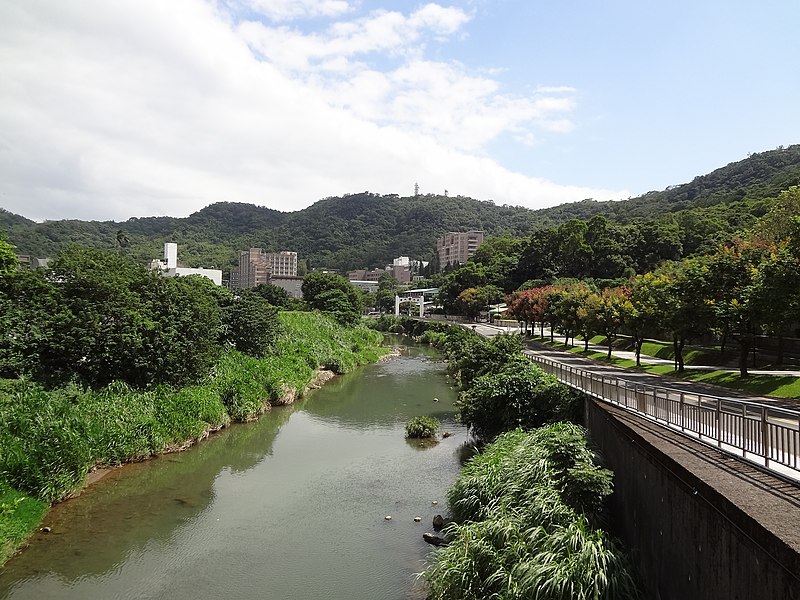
x,y
290,507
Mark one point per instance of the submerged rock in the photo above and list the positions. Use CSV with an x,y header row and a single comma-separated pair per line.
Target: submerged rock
x,y
434,539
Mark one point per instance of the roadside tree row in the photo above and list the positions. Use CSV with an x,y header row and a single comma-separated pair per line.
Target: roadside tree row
x,y
747,288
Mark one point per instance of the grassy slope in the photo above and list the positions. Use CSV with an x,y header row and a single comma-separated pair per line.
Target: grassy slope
x,y
51,439
782,386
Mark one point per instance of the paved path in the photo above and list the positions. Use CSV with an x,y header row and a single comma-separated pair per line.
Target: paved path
x,y
650,360
732,437
638,376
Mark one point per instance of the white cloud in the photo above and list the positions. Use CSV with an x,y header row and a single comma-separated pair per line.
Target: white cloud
x,y
122,109
285,10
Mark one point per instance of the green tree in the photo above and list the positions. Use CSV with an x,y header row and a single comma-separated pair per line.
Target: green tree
x,y
8,259
639,315
333,294
470,275
101,335
679,293
276,296
734,296
520,395
30,306
609,314
252,324
387,290
472,301
183,331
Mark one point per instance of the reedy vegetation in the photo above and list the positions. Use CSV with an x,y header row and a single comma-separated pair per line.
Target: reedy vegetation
x,y
526,524
53,437
422,427
527,510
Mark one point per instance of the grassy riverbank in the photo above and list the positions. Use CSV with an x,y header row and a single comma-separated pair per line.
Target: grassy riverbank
x,y
51,439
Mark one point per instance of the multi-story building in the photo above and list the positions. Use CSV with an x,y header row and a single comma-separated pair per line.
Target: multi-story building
x,y
282,264
400,272
456,247
257,267
253,268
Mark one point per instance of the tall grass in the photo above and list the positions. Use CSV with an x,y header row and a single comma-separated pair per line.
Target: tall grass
x,y
50,439
19,515
524,528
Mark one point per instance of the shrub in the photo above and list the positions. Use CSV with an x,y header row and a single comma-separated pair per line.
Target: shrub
x,y
516,535
422,427
520,395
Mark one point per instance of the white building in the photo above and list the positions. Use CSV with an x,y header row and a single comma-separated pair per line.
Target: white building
x,y
169,266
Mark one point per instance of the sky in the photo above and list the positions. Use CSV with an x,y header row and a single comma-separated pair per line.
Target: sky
x,y
133,108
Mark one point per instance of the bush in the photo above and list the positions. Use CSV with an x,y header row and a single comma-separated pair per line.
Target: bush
x,y
520,395
517,536
422,427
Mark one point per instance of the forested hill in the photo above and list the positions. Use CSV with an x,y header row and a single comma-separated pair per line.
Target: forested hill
x,y
761,175
365,230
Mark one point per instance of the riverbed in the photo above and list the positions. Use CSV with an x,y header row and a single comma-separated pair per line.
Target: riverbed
x,y
292,506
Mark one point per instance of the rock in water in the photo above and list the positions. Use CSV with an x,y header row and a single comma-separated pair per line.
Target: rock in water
x,y
438,522
434,539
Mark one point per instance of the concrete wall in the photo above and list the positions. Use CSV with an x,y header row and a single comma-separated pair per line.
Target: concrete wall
x,y
698,526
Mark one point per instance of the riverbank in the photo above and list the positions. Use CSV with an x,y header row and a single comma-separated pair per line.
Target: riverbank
x,y
259,506
54,439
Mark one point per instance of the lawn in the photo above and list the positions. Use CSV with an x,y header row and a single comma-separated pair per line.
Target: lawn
x,y
782,386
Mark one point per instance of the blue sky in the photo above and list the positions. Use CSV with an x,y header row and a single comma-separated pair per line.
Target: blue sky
x,y
139,108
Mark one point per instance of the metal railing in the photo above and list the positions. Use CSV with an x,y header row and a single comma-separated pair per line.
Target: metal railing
x,y
764,434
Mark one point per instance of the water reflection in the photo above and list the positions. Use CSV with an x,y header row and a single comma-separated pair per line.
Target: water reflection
x,y
292,506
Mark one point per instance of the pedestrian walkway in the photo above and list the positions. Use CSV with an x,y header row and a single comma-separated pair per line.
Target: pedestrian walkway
x,y
651,360
763,430
601,368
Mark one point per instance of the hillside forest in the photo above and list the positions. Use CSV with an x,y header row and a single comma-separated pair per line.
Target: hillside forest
x,y
672,224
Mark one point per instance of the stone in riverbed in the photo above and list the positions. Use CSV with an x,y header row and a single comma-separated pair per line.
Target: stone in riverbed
x,y
434,539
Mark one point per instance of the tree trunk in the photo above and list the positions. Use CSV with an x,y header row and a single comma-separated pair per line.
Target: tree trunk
x,y
586,343
679,344
675,352
744,351
638,344
609,347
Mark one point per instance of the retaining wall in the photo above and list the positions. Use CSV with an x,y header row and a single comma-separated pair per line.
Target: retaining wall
x,y
700,525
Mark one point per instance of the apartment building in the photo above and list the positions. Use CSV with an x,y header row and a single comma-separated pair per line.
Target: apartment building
x,y
253,268
282,264
457,247
257,267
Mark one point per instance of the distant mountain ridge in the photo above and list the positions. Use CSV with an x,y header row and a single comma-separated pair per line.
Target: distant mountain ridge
x,y
367,230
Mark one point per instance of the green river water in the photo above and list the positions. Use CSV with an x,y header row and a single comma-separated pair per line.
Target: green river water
x,y
290,507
